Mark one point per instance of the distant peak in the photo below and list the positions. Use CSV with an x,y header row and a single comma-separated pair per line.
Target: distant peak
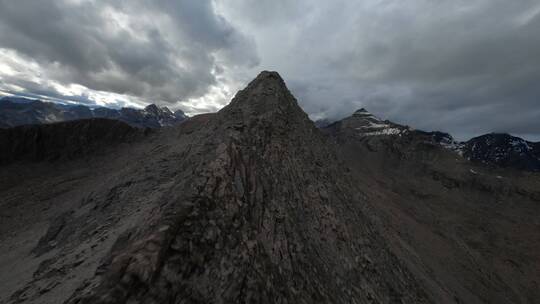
x,y
362,112
151,106
166,110
154,109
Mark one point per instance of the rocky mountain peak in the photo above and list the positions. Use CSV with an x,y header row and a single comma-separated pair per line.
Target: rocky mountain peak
x,y
503,150
267,79
362,123
267,89
362,111
255,205
364,114
152,108
158,111
266,98
167,111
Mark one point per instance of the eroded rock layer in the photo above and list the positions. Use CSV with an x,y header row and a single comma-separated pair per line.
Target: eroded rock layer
x,y
247,205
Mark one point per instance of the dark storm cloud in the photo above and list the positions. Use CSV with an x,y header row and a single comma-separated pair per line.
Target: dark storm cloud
x,y
157,50
463,66
467,67
474,72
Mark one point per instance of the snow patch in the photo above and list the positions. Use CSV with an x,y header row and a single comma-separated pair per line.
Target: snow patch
x,y
387,131
373,125
366,115
520,143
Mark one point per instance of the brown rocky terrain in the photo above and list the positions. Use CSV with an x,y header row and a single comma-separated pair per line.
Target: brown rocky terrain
x,y
255,204
64,140
470,232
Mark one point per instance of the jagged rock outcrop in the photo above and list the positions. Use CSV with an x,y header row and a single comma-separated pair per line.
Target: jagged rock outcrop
x,y
256,204
246,205
255,225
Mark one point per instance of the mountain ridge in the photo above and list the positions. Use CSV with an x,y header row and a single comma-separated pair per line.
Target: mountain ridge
x,y
231,214
21,111
255,204
492,149
460,221
65,140
254,174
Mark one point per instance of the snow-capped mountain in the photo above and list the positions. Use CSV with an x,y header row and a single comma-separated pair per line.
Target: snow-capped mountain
x,y
364,124
20,111
501,150
368,124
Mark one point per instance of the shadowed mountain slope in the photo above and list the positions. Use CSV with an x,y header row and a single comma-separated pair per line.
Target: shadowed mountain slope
x,y
247,205
503,150
63,140
256,204
468,231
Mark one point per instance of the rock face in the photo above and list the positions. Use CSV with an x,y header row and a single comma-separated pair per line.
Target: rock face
x,y
21,111
468,231
247,205
64,140
503,150
255,204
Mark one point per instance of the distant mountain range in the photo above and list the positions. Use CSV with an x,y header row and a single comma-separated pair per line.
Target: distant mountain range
x,y
16,111
496,149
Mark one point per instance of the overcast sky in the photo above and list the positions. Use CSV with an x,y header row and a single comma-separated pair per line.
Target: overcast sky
x,y
463,66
